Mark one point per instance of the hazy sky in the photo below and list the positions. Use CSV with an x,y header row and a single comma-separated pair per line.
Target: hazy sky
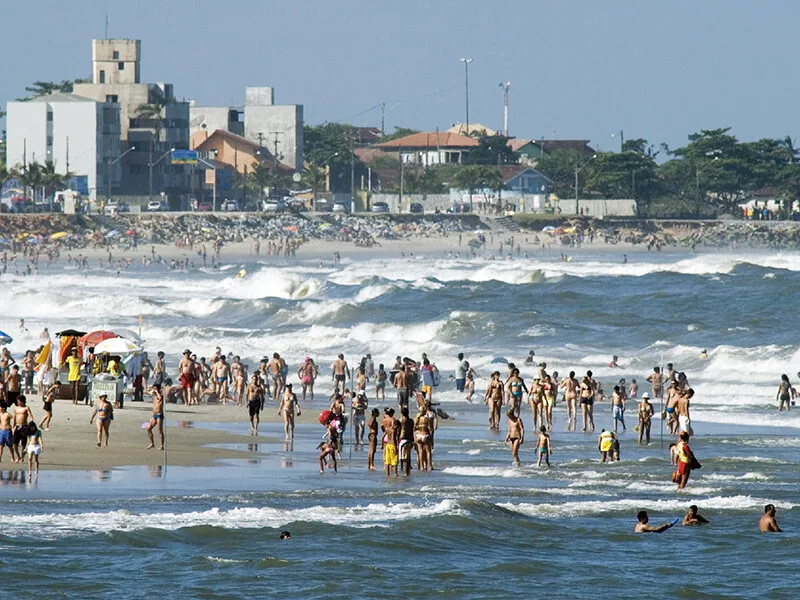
x,y
658,70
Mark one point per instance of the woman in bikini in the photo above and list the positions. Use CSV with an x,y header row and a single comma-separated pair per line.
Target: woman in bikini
x,y
372,426
422,439
104,413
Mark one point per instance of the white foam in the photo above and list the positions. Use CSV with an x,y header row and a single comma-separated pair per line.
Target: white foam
x,y
632,505
372,515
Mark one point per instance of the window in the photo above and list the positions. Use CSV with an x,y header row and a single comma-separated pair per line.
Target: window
x,y
121,66
102,76
49,116
112,98
116,55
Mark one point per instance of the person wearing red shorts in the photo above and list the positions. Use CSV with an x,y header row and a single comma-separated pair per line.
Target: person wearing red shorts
x,y
187,370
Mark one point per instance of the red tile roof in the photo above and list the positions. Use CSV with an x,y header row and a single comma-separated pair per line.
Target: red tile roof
x,y
421,140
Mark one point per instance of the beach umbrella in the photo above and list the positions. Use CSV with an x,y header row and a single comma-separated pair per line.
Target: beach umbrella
x,y
130,232
5,338
117,346
113,233
324,416
548,228
70,333
58,235
94,338
292,228
129,335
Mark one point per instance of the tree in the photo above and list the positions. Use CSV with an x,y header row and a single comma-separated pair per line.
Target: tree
x,y
333,144
52,181
314,177
559,167
45,88
264,176
629,174
492,150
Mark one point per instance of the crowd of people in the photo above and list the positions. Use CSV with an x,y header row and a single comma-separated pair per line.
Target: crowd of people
x,y
224,379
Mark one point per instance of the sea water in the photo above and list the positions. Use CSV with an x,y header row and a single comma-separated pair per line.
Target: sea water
x,y
476,527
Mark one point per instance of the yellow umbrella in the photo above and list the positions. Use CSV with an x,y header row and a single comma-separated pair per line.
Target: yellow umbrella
x,y
44,355
59,235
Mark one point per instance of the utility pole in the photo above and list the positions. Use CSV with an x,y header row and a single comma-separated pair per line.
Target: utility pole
x,y
383,117
466,62
67,173
505,87
275,146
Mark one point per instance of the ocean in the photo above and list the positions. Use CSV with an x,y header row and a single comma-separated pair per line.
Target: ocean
x,y
476,527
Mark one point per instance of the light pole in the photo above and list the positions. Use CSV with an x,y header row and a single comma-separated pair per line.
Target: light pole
x,y
466,62
153,164
578,168
214,189
111,163
505,87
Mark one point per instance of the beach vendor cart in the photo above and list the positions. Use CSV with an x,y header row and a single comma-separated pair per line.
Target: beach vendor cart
x,y
111,380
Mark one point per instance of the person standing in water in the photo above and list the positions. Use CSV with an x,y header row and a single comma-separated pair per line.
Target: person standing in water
x,y
516,434
372,426
494,400
587,390
288,406
768,523
255,402
516,386
785,393
543,448
571,386
645,416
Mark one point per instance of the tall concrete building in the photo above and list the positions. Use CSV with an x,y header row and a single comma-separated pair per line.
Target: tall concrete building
x,y
79,135
151,120
276,127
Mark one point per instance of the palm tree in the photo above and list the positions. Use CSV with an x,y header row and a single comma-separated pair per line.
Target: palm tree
x,y
52,181
314,176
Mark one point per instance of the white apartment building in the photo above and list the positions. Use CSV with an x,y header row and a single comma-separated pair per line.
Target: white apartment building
x,y
79,135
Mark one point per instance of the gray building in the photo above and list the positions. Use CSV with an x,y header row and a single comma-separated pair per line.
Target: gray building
x,y
152,121
78,135
279,128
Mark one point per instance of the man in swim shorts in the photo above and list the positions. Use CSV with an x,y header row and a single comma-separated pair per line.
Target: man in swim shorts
x,y
6,438
158,416
186,368
543,448
341,373
682,409
407,427
461,373
605,444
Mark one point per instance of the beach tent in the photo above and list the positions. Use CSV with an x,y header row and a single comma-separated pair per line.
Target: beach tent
x,y
68,340
5,338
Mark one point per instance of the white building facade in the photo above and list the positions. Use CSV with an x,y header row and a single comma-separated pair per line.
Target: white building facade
x,y
78,135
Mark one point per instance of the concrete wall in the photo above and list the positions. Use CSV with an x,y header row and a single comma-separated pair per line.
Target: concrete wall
x,y
259,96
26,130
129,54
213,117
287,121
82,123
603,208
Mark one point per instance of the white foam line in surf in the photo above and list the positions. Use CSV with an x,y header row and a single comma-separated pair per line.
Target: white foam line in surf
x,y
52,525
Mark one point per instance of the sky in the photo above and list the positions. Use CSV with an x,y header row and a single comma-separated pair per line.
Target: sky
x,y
578,69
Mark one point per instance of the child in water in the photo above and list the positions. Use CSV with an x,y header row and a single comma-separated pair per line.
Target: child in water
x,y
543,448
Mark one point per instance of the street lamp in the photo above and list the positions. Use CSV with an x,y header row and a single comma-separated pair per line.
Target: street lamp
x,y
578,168
110,164
153,164
466,62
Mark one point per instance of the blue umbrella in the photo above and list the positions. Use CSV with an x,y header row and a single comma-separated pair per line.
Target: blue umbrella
x,y
5,338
